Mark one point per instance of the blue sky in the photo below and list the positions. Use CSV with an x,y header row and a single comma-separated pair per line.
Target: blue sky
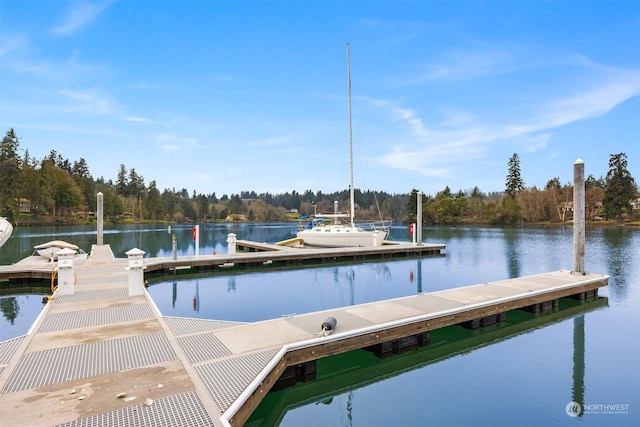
x,y
221,96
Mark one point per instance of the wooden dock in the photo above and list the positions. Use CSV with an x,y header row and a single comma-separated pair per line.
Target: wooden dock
x,y
101,357
249,255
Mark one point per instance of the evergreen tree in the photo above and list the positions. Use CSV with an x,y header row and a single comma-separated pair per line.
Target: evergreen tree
x,y
592,182
620,187
122,184
31,187
153,201
9,173
203,207
514,183
412,207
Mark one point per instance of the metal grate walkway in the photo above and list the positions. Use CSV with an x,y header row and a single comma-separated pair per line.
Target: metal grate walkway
x,y
36,370
8,349
96,317
184,326
226,379
92,295
185,409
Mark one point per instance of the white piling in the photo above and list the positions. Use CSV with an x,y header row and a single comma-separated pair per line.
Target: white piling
x,y
66,272
231,240
413,233
196,238
99,215
578,217
136,271
174,247
418,230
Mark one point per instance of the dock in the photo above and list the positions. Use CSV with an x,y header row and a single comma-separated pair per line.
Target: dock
x,y
249,255
102,356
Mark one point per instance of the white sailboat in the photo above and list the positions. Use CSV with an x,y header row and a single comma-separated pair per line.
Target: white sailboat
x,y
326,230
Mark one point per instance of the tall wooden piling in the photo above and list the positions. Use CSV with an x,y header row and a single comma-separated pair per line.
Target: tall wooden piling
x,y
578,216
99,215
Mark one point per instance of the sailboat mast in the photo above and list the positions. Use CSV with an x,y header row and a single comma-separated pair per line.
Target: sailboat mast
x,y
351,190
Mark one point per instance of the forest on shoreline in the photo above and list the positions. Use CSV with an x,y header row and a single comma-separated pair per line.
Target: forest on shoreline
x,y
55,190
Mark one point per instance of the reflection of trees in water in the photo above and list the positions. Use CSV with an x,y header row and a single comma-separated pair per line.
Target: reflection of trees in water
x,y
619,253
10,308
511,239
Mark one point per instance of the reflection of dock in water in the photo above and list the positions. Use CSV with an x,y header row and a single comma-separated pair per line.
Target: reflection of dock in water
x,y
351,371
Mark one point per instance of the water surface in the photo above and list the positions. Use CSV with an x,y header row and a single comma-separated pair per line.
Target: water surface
x,y
523,372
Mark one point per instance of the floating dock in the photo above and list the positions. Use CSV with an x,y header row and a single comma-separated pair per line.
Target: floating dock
x,y
249,255
102,356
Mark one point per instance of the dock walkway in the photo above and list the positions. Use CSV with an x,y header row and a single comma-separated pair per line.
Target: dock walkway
x,y
101,357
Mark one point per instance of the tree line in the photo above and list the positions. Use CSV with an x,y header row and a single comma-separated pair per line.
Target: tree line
x,y
57,187
608,198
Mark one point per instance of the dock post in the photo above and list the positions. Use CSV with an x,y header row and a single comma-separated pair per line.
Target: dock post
x,y
196,238
136,271
174,247
66,272
578,216
413,233
99,215
231,240
419,219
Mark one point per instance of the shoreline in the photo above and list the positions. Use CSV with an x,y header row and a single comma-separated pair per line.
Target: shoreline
x,y
57,221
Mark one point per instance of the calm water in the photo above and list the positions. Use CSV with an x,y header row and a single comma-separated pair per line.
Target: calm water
x,y
522,372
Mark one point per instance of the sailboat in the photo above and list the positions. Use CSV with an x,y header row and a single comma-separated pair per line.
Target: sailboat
x,y
325,230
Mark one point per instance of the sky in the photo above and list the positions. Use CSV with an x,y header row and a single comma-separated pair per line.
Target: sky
x,y
229,96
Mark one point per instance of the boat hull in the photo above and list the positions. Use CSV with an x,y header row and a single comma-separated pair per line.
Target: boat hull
x,y
5,230
337,236
51,249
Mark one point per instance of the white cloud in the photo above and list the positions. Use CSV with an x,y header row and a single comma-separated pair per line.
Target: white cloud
x,y
174,142
454,141
594,102
466,65
80,15
169,147
137,119
537,143
92,101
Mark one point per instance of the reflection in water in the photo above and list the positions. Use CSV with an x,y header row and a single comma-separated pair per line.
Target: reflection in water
x,y
621,253
10,308
355,370
350,408
419,275
153,239
511,240
174,296
196,298
578,360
